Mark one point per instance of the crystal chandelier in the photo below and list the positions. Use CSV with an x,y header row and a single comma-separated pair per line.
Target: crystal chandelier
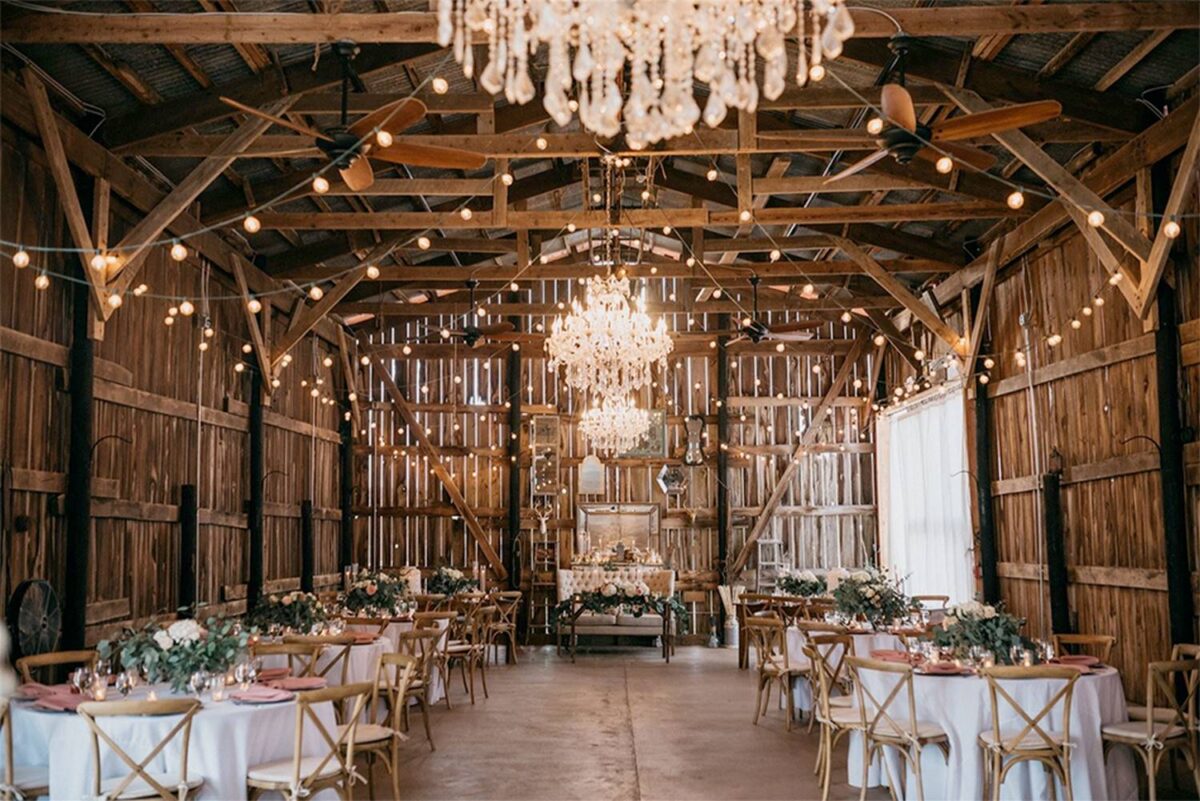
x,y
666,46
614,425
607,344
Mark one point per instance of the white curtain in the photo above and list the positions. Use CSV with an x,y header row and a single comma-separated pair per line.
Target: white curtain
x,y
924,497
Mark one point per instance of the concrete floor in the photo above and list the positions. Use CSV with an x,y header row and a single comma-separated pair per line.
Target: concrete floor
x,y
617,724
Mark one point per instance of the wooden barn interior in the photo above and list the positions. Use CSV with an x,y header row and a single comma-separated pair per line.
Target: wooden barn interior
x,y
233,368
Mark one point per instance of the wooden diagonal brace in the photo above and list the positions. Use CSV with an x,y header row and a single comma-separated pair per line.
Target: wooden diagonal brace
x,y
435,463
810,434
1185,179
308,318
1111,261
985,299
261,354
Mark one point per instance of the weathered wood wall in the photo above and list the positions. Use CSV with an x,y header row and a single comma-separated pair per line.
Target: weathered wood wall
x,y
152,385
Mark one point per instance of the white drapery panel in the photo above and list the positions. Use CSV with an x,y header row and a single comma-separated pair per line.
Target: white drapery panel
x,y
924,497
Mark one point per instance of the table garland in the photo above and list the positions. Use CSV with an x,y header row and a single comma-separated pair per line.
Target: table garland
x,y
175,651
373,594
633,598
450,581
292,612
977,625
869,594
803,583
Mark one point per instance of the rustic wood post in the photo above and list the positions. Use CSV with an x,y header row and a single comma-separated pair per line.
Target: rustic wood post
x,y
254,510
189,531
989,552
307,557
1056,553
79,471
346,493
723,464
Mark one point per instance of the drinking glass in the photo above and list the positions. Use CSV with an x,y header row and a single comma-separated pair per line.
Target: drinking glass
x,y
81,679
216,686
243,674
125,683
198,682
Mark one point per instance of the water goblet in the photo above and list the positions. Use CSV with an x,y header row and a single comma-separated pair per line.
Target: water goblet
x,y
81,679
125,683
243,674
197,682
99,688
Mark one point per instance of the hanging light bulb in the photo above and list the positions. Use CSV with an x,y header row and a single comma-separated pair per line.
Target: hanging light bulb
x,y
1054,340
846,317
384,138
466,213
239,367
1097,301
1016,199
407,349
1095,218
327,361
571,228
252,224
203,346
816,72
711,174
1075,323
745,215
115,300
320,184
98,262
372,272
423,242
944,164
247,347
168,320
140,289
983,378
316,393
42,281
315,292
209,332
20,259
989,362
875,126
1086,311
1115,279
178,251
879,340
254,305
1170,230
691,261
919,355
858,382
364,360
445,333
514,286
440,85
186,308
276,383
541,143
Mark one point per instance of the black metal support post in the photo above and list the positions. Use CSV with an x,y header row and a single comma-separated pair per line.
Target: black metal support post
x,y
254,509
189,532
989,552
513,379
723,463
307,557
1056,553
346,492
79,471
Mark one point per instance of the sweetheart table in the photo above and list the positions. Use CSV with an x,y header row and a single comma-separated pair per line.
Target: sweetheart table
x,y
961,706
227,739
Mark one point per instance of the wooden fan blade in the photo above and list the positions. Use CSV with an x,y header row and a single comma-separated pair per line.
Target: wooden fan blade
x,y
392,117
790,336
495,328
295,126
430,156
359,175
997,120
858,166
898,106
979,159
804,325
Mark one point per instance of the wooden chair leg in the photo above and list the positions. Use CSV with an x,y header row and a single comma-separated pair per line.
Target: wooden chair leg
x,y
758,701
428,731
483,676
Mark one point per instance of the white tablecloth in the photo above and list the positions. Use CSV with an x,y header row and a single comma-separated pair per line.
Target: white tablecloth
x,y
391,637
362,662
227,739
961,706
864,644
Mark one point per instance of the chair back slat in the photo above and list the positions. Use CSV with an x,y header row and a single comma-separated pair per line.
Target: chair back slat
x,y
340,748
1099,645
26,665
93,713
1032,724
395,675
303,655
878,717
1177,683
338,645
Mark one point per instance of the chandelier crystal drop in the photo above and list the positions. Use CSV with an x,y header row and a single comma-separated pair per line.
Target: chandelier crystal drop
x,y
665,47
608,344
614,425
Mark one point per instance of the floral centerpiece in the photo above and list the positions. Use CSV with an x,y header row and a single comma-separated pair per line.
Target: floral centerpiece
x,y
974,624
174,652
868,594
632,598
299,612
803,583
450,581
375,594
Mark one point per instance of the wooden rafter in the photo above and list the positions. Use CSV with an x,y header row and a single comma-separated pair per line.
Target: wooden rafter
x,y
1185,179
979,319
900,292
1132,59
806,441
258,342
1110,260
434,455
308,318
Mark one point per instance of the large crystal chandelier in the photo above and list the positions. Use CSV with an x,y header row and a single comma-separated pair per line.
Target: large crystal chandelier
x,y
614,425
607,345
666,45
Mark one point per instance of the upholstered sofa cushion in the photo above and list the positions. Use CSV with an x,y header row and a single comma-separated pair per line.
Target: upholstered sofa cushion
x,y
595,619
646,621
587,579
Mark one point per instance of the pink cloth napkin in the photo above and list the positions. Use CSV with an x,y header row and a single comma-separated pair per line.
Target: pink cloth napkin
x,y
365,637
36,689
299,683
60,702
270,674
1087,660
944,668
1080,666
262,695
888,655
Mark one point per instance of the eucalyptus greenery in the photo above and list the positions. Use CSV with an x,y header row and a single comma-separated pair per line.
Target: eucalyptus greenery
x,y
976,624
803,584
450,581
299,612
870,594
173,653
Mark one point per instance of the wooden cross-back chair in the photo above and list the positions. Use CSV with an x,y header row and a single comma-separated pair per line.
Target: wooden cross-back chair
x,y
1097,645
393,677
933,601
835,719
301,776
445,621
504,627
380,624
470,652
1033,740
768,637
301,656
422,645
430,602
337,646
19,781
1164,728
26,665
885,726
748,605
140,782
1180,650
789,608
817,608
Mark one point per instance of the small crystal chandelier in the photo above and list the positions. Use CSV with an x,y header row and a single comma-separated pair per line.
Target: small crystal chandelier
x,y
666,45
615,425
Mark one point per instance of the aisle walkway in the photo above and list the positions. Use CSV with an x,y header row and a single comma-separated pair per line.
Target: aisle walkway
x,y
622,726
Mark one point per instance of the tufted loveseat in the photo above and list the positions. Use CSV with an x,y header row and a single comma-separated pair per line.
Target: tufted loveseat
x,y
587,579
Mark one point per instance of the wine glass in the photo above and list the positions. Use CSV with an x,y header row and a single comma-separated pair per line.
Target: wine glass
x,y
81,679
125,682
198,682
243,674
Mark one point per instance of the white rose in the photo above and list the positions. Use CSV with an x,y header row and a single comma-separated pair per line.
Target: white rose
x,y
860,575
163,640
184,631
989,612
808,575
608,590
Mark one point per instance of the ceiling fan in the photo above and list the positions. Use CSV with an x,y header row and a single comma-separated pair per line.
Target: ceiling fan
x,y
757,331
471,334
903,138
348,145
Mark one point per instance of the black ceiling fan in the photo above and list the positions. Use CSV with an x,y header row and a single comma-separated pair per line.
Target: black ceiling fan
x,y
756,331
472,334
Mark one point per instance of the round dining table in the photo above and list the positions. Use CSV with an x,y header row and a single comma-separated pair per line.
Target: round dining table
x,y
228,738
864,643
390,637
961,705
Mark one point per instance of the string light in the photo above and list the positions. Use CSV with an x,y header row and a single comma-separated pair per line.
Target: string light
x,y
506,178
846,317
315,292
372,272
1016,199
440,85
875,126
98,262
252,224
944,165
1170,229
1075,323
203,346
423,242
384,138
1095,218
247,347
239,367
1054,340
320,184
816,72
879,340
178,251
407,349
20,259
168,320
745,215
711,174
466,213
115,300
327,361
42,281
364,360
254,305
140,289
186,308
541,143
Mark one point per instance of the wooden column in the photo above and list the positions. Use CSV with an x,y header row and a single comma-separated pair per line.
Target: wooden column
x,y
189,532
307,557
989,555
346,491
79,471
722,463
1056,553
513,383
254,508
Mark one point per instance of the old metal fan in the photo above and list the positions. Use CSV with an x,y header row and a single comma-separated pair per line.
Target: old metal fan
x,y
756,331
903,138
348,145
471,334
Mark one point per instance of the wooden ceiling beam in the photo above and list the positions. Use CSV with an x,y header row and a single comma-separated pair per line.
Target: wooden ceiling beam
x,y
1072,48
1181,189
457,309
1131,59
306,320
421,27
